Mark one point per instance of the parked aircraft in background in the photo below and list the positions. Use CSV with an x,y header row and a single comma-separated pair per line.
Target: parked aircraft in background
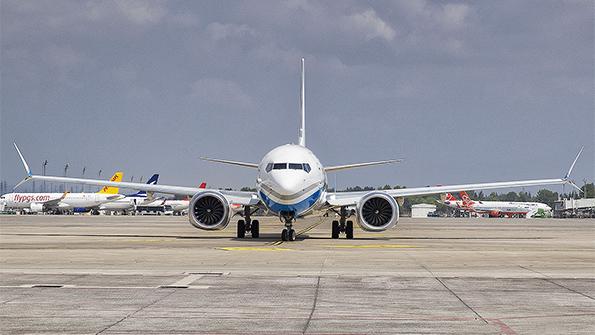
x,y
41,202
450,201
129,202
292,183
505,208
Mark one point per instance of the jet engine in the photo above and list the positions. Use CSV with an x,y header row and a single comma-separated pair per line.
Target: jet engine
x,y
377,211
36,207
209,210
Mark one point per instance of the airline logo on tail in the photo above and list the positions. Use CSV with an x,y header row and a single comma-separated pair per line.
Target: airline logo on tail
x,y
117,177
467,202
450,197
152,181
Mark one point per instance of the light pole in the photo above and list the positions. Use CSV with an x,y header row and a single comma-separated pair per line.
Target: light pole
x,y
99,174
65,173
83,176
45,163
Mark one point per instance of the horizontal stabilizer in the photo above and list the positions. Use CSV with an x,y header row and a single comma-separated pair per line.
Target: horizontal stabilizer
x,y
358,165
244,164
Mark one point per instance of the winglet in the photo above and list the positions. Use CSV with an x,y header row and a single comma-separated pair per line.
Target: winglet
x,y
25,165
565,177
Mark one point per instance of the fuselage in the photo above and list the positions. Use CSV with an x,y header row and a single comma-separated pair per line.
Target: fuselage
x,y
501,207
508,207
291,179
71,200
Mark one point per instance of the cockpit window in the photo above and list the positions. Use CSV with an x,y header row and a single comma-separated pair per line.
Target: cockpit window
x,y
307,167
290,166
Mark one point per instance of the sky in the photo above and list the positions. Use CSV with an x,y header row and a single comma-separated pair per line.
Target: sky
x,y
463,91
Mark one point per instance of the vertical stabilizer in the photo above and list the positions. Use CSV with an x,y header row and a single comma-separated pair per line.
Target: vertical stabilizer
x,y
302,135
117,177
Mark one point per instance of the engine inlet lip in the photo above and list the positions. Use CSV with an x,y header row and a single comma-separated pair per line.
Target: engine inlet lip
x,y
216,208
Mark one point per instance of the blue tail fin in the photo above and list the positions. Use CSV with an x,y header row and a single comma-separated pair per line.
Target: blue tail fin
x,y
151,181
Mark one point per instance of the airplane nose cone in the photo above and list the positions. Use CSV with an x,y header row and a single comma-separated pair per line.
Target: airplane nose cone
x,y
287,185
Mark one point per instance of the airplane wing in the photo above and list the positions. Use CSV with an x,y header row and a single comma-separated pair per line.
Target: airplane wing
x,y
338,199
54,202
351,198
234,197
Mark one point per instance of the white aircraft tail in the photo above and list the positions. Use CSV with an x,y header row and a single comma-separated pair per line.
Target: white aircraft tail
x,y
302,133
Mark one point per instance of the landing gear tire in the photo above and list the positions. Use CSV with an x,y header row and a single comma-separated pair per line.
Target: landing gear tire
x,y
288,235
255,229
241,229
335,230
349,230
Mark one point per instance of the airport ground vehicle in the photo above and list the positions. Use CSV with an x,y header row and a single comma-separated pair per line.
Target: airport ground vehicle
x,y
292,183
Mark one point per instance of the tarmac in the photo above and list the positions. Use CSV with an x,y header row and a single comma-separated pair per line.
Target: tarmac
x,y
159,275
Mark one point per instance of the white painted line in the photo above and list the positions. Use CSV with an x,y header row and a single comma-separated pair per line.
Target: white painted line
x,y
186,280
198,287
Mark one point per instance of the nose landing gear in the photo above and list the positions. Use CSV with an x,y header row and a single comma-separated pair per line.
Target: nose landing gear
x,y
288,234
247,224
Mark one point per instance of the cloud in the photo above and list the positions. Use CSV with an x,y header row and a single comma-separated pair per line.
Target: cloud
x,y
142,12
453,15
221,92
368,23
220,31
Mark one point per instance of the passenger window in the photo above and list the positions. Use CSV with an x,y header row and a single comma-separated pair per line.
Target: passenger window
x,y
269,167
295,166
279,166
307,167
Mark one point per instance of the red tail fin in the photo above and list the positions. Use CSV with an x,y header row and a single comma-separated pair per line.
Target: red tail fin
x,y
466,200
450,197
203,185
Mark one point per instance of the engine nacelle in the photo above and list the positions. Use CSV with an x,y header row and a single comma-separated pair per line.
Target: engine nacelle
x,y
377,211
209,210
36,207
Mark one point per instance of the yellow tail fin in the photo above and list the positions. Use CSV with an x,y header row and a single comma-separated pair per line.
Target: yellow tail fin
x,y
117,177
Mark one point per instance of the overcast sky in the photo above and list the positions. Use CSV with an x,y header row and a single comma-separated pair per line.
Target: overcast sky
x,y
464,91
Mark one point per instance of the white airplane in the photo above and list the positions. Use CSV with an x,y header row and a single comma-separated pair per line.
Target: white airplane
x,y
498,208
128,202
41,202
292,183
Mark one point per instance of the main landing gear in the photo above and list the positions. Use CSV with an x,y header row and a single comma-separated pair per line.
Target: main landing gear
x,y
247,224
343,225
288,234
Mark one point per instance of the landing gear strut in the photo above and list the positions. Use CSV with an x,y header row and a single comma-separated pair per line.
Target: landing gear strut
x,y
343,225
247,224
288,234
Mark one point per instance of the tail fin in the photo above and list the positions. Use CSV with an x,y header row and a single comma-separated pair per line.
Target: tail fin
x,y
203,185
152,181
466,200
302,134
117,177
450,197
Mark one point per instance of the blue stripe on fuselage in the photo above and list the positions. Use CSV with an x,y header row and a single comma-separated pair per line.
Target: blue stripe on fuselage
x,y
297,208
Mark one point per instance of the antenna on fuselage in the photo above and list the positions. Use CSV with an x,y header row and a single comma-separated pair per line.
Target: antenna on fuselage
x,y
302,134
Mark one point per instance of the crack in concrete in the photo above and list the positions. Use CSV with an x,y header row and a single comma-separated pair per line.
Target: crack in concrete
x,y
313,306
